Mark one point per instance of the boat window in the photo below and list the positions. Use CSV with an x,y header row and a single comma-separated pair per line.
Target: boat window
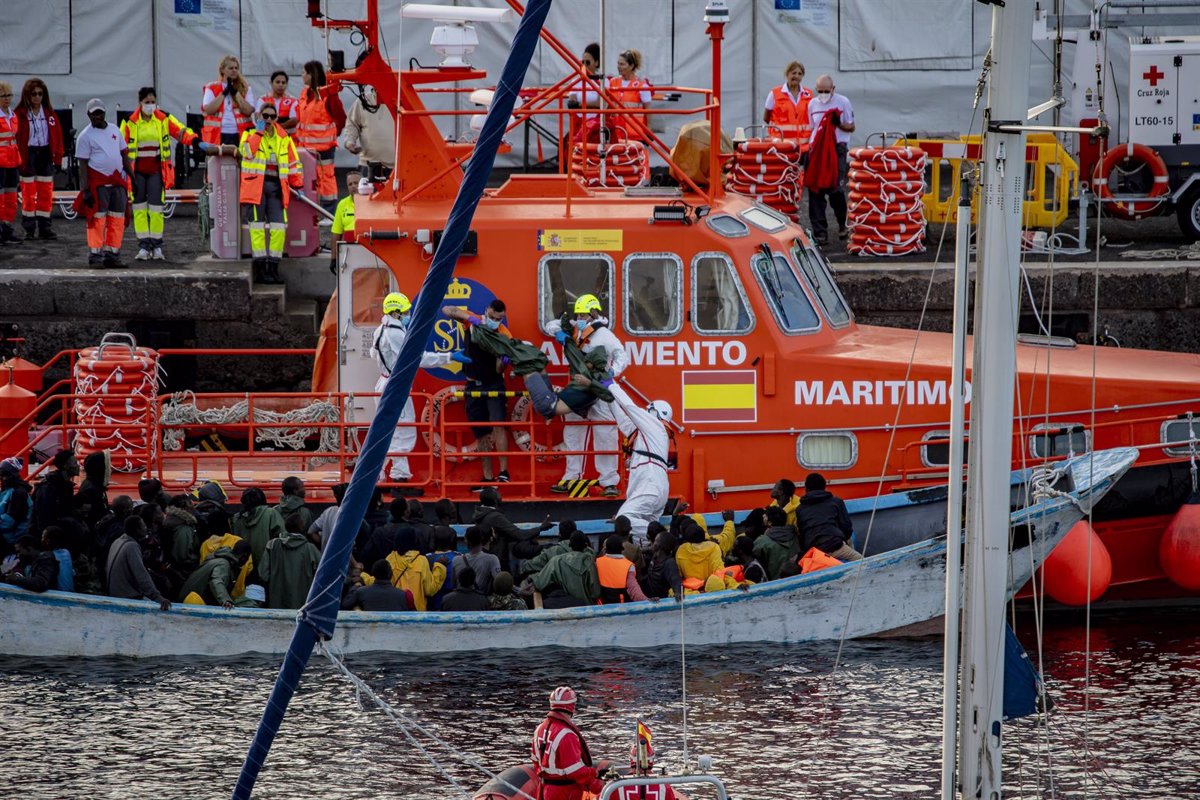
x,y
937,452
719,304
653,285
564,278
784,294
368,287
727,226
760,217
1059,439
814,267
1182,432
827,450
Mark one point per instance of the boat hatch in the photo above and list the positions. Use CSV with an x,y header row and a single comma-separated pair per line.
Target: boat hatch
x,y
564,277
719,303
652,288
786,297
816,269
1183,433
827,450
728,226
768,221
1059,439
1041,340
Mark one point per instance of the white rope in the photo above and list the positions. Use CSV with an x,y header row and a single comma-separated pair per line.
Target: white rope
x,y
683,673
181,410
406,723
1189,252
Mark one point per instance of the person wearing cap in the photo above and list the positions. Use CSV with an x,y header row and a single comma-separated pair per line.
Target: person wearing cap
x,y
561,759
387,342
590,330
213,580
103,156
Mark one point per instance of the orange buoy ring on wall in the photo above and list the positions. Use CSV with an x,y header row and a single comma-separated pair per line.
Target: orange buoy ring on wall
x,y
1139,154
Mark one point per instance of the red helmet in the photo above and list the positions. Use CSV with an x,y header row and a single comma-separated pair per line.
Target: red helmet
x,y
563,698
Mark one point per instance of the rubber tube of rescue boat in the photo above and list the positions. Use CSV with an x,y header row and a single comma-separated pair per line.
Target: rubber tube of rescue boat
x,y
319,615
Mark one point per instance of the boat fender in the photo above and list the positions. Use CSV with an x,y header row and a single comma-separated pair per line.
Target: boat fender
x,y
1065,572
1179,547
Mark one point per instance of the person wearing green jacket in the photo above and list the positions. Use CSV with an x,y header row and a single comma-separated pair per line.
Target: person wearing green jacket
x,y
214,579
178,534
570,579
563,545
257,523
291,501
779,547
287,567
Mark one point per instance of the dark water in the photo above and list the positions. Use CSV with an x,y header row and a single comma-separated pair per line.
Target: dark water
x,y
779,722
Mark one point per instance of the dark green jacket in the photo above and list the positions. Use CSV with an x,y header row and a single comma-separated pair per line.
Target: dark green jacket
x,y
288,566
777,548
289,505
179,540
574,573
214,579
593,364
536,563
524,357
258,527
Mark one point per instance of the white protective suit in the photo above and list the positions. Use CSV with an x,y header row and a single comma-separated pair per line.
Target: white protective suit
x,y
388,339
646,496
575,437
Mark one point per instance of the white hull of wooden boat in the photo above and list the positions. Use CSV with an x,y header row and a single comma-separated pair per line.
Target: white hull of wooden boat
x,y
883,593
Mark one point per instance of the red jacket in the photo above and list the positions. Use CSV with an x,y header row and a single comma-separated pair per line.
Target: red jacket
x,y
822,171
562,761
55,137
660,791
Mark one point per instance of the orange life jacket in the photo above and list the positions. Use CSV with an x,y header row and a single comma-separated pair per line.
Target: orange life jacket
x,y
792,117
737,572
211,132
816,559
10,155
630,96
613,574
316,130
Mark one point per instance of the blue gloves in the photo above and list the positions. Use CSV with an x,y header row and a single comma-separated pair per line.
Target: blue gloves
x,y
561,337
505,361
607,382
474,319
460,357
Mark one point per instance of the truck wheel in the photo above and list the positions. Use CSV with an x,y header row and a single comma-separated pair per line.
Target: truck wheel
x,y
1188,211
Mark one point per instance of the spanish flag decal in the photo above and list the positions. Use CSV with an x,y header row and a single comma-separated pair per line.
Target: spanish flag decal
x,y
720,395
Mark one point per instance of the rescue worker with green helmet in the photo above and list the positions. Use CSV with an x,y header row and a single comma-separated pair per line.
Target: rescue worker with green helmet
x,y
590,330
387,342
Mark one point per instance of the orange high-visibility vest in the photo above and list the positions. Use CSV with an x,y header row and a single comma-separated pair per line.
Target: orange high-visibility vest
x,y
316,130
211,132
257,150
629,96
10,155
613,574
792,117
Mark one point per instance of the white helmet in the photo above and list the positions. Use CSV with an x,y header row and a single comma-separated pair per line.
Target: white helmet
x,y
660,409
563,698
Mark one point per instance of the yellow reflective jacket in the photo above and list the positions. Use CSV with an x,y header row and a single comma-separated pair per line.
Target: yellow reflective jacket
x,y
412,571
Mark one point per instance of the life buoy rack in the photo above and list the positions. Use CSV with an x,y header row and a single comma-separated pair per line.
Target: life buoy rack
x,y
1145,156
769,171
884,209
116,388
624,164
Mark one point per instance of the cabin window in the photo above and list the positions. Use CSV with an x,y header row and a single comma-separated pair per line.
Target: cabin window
x,y
564,278
784,294
727,226
937,452
816,269
719,304
760,217
653,284
1181,432
827,450
368,287
1061,439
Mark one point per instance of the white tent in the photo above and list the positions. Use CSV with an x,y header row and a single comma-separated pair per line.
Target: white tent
x,y
906,65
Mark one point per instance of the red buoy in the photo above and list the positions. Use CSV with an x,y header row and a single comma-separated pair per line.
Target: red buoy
x,y
1179,547
1066,568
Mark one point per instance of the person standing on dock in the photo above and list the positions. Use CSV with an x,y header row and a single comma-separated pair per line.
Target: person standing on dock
x,y
322,118
786,107
561,759
103,158
387,342
40,139
270,172
10,166
840,125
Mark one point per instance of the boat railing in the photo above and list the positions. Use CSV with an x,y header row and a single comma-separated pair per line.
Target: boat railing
x,y
613,787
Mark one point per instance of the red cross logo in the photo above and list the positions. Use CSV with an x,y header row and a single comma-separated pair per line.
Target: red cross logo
x,y
1154,76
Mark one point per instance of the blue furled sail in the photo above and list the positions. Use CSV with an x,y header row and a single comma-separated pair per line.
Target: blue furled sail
x,y
1022,684
319,615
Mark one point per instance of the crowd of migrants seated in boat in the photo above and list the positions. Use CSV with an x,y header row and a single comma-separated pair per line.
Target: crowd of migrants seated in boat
x,y
198,548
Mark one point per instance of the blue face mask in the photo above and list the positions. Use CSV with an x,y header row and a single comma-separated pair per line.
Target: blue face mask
x,y
404,320
491,324
582,324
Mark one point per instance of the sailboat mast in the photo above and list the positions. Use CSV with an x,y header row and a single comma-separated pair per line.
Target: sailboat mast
x,y
993,386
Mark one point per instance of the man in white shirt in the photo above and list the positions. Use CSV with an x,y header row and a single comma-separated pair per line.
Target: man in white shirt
x,y
103,159
827,101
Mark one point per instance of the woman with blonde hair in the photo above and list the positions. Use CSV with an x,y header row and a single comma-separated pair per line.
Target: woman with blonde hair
x,y
227,105
40,140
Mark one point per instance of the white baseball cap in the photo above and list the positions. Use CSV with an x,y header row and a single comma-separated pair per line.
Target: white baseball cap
x,y
95,104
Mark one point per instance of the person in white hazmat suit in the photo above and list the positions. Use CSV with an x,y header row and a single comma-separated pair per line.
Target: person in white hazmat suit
x,y
385,348
590,330
649,449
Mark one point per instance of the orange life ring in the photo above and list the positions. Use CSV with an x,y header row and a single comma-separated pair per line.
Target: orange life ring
x,y
430,414
1155,198
766,145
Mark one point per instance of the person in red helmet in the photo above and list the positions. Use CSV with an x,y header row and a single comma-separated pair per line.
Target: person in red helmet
x,y
641,764
560,755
